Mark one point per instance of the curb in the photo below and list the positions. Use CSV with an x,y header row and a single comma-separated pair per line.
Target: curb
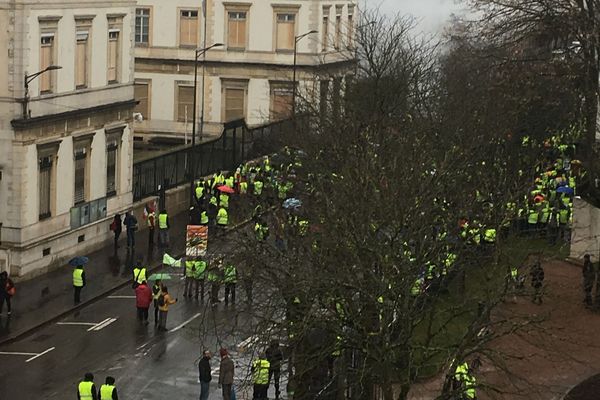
x,y
32,329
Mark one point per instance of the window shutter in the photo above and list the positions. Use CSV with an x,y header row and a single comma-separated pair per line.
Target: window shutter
x,y
80,73
234,104
141,95
112,59
186,103
45,61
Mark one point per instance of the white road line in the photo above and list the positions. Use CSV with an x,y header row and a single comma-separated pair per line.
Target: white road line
x,y
41,354
103,324
16,353
99,323
248,342
121,297
77,323
178,327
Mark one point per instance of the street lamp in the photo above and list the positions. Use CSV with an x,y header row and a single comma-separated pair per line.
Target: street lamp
x,y
28,79
197,54
296,40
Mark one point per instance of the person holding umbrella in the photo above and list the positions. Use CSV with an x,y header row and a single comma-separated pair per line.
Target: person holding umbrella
x,y
78,277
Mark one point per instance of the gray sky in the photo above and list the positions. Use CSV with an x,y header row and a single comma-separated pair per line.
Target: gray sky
x,y
431,14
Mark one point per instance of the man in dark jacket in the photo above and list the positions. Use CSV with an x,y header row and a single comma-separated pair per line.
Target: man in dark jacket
x,y
275,357
226,370
205,375
130,223
537,281
589,277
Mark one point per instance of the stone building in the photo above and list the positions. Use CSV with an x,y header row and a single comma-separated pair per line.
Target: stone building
x,y
250,76
65,145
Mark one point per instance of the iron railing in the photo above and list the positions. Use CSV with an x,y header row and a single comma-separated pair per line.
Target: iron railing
x,y
237,144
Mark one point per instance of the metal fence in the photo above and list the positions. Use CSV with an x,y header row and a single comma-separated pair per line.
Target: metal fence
x,y
237,144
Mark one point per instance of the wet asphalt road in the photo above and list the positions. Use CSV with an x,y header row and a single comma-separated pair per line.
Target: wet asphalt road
x,y
105,338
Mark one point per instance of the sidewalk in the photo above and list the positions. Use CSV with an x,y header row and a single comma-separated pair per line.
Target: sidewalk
x,y
45,298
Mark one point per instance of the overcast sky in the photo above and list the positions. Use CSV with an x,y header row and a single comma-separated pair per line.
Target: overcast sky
x,y
431,14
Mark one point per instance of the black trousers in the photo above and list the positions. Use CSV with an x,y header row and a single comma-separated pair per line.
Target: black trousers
x,y
4,297
77,294
275,373
260,392
142,313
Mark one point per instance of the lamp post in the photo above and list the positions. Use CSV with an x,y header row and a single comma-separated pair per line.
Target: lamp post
x,y
197,54
296,40
27,81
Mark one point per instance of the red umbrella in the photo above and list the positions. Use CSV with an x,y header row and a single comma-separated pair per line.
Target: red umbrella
x,y
225,189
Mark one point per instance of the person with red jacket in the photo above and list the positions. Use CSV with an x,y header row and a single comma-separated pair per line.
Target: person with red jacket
x,y
143,299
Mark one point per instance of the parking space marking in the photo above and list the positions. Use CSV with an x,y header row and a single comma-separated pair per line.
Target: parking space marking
x,y
32,356
121,297
93,326
178,327
77,323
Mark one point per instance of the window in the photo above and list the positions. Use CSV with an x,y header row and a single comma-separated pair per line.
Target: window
x,y
281,101
236,29
81,60
44,186
338,27
142,96
286,31
325,30
350,26
142,26
80,155
185,103
188,28
46,59
112,147
235,99
113,55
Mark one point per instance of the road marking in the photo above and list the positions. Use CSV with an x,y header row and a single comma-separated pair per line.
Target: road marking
x,y
121,297
247,343
77,323
41,354
178,327
103,324
32,356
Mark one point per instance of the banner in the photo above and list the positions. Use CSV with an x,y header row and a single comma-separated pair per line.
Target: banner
x,y
196,240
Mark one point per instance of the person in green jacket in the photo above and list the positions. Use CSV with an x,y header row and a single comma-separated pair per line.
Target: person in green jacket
x,y
230,279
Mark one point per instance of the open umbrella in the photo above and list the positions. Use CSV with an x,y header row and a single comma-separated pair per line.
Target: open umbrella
x,y
225,189
565,190
170,261
77,261
161,277
292,203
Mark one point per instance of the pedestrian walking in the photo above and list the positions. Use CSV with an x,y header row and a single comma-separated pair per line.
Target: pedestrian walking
x,y
151,223
156,291
7,290
131,226
226,371
260,377
164,301
537,281
275,357
199,276
143,298
78,283
163,228
214,279
86,390
116,227
230,280
589,276
139,273
204,374
108,391
190,272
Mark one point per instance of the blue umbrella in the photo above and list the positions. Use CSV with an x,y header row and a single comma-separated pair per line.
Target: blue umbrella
x,y
77,261
565,189
292,203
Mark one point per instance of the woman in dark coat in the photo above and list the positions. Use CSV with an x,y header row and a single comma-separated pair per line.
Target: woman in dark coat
x,y
116,227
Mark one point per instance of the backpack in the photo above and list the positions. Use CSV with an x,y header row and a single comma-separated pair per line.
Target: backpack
x,y
161,300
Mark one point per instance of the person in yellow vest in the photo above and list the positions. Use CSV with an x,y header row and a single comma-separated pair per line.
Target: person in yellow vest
x,y
78,283
139,274
108,391
203,218
258,187
199,192
86,390
163,228
224,200
199,276
151,223
222,218
190,272
243,187
260,377
230,280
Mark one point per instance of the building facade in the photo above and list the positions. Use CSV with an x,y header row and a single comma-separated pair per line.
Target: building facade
x,y
250,76
66,144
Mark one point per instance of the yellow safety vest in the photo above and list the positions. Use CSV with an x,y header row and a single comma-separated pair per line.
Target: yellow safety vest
x,y
222,217
162,221
189,269
243,187
139,274
78,277
203,218
199,191
106,392
85,390
261,371
224,201
258,186
200,269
